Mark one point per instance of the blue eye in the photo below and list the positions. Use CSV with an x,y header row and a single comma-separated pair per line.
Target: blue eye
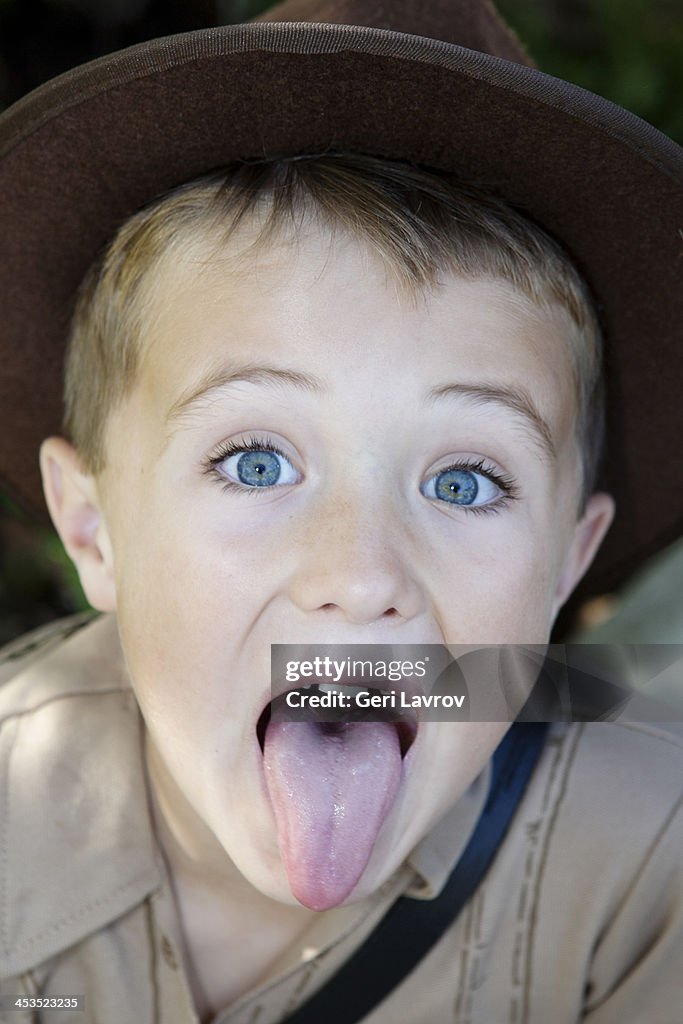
x,y
258,469
464,486
254,464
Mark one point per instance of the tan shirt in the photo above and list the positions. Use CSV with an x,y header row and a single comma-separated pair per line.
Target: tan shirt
x,y
579,918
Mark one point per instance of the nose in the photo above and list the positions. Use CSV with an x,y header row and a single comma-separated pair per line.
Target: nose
x,y
354,561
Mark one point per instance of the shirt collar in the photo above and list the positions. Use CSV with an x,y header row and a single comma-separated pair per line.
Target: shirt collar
x,y
434,858
70,755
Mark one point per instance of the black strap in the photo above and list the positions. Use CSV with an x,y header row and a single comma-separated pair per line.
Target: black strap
x,y
411,927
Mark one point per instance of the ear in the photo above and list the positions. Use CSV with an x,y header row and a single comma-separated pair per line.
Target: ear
x,y
74,505
588,536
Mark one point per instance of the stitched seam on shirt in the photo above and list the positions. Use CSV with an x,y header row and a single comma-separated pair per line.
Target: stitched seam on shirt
x,y
643,729
13,715
533,915
298,995
57,927
637,874
154,964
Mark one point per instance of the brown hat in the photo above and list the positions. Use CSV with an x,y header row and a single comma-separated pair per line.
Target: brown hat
x,y
441,83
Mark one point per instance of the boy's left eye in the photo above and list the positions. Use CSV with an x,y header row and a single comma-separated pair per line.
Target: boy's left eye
x,y
462,485
258,467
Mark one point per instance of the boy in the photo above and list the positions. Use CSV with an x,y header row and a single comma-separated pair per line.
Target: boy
x,y
321,400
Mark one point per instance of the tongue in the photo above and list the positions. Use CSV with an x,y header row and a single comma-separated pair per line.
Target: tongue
x,y
331,788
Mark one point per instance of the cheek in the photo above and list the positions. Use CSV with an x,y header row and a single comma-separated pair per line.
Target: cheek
x,y
172,612
189,589
499,591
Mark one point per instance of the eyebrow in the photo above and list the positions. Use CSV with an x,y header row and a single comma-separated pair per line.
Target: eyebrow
x,y
252,373
514,398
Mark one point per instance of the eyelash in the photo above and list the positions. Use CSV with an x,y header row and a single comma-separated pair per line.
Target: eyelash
x,y
227,448
506,484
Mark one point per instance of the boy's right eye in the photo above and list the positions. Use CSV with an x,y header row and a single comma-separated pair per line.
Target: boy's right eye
x,y
262,468
256,463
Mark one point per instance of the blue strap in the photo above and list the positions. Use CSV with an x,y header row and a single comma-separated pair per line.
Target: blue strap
x,y
410,927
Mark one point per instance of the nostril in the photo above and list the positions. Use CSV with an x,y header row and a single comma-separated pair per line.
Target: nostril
x,y
391,613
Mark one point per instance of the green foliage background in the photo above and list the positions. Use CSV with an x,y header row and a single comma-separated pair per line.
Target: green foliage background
x,y
630,51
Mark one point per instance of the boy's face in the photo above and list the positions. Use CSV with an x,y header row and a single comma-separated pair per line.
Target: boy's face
x,y
369,397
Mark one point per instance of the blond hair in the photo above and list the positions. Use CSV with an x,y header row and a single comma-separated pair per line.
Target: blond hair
x,y
418,222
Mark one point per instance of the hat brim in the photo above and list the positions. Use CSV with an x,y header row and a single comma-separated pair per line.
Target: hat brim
x,y
80,154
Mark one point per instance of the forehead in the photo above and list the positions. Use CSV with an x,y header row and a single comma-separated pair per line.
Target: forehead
x,y
326,303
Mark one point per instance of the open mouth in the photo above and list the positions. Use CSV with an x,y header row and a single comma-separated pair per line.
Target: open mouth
x,y
335,720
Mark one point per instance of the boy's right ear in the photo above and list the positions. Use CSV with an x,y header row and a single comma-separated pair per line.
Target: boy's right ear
x,y
74,505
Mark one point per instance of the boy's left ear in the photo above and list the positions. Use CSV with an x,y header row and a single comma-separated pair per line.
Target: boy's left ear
x,y
588,536
74,505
